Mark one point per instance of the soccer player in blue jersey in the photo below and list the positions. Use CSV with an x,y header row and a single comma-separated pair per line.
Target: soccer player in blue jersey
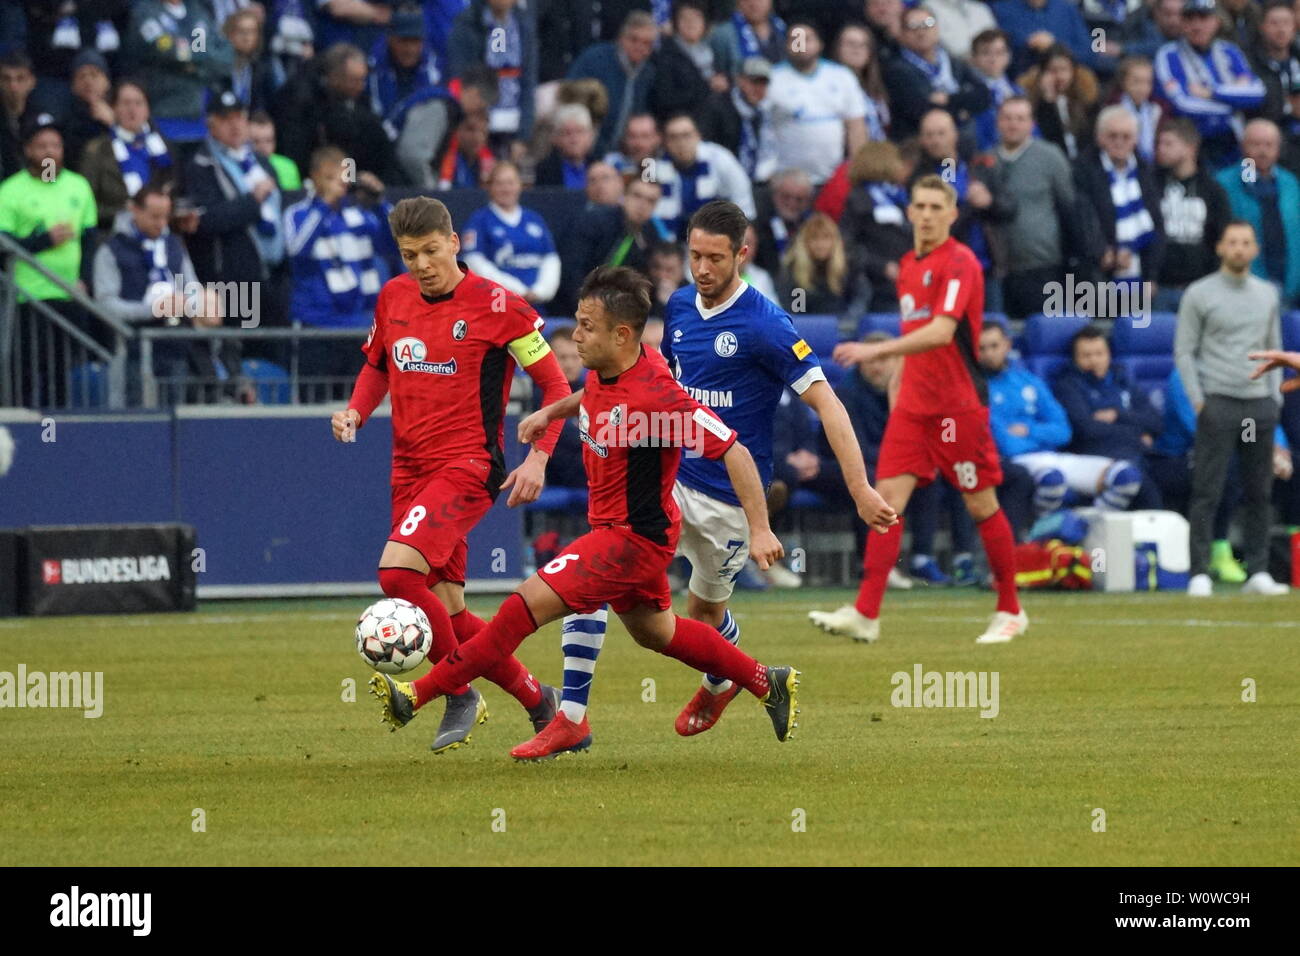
x,y
736,352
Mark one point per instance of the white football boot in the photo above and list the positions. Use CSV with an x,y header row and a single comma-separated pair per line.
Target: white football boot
x,y
1003,627
848,621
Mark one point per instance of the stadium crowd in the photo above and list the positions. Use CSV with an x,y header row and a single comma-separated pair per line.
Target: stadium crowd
x,y
151,146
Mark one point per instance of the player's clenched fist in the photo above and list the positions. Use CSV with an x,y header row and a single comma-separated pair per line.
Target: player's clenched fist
x,y
875,510
345,424
765,549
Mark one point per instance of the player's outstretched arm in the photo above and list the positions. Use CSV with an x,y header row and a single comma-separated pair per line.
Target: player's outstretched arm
x,y
763,544
938,331
1274,359
872,508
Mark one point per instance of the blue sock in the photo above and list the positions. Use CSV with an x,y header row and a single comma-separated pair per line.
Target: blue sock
x,y
1049,490
1123,481
731,631
581,639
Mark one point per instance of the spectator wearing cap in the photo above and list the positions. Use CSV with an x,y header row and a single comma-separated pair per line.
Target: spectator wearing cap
x,y
57,32
622,235
252,76
924,75
501,34
327,105
1121,187
50,211
1037,173
640,148
91,114
466,160
625,70
573,141
261,136
855,48
1158,23
132,153
333,245
818,107
751,30
1194,208
1268,199
511,245
239,236
177,71
740,120
960,21
688,68
1276,60
1209,81
695,173
1035,25
17,81
407,92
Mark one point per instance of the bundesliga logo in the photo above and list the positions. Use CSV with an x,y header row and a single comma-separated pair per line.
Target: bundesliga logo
x,y
409,355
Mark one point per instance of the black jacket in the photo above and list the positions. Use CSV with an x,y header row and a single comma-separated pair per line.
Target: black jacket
x,y
550,171
590,242
1194,213
1093,184
223,248
678,86
874,239
909,96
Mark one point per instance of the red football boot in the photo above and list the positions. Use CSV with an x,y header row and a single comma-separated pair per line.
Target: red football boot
x,y
704,710
560,736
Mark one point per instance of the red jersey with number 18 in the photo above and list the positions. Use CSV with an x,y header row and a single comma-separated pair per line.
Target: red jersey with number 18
x,y
947,281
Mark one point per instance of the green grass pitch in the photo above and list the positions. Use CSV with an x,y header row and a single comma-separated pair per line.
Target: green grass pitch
x,y
1128,704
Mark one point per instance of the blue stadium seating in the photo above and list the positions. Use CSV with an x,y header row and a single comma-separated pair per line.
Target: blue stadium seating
x,y
1134,336
560,499
879,322
1046,366
271,381
1049,335
821,332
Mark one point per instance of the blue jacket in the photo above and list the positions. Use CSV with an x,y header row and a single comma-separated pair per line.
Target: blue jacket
x,y
1179,433
1239,89
1082,393
600,62
334,262
1059,18
1018,396
1246,206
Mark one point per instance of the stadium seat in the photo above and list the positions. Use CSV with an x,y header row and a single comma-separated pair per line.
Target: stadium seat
x,y
271,381
1149,335
1049,335
555,498
1046,366
1291,331
1147,368
804,500
879,322
821,332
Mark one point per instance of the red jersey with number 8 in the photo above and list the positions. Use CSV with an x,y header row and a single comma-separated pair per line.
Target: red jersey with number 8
x,y
947,281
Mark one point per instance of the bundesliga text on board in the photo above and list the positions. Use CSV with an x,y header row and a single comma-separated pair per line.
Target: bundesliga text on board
x,y
114,570
75,908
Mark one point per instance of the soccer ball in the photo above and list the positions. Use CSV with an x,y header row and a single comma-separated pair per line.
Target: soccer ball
x,y
393,636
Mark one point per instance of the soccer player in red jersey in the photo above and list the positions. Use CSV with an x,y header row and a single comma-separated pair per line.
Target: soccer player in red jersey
x,y
940,419
444,344
633,418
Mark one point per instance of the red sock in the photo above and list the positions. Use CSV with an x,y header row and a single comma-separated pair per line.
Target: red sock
x,y
474,658
510,675
697,645
409,585
1000,548
879,556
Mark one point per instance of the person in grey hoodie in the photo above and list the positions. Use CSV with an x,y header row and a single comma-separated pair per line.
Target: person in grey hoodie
x,y
1222,319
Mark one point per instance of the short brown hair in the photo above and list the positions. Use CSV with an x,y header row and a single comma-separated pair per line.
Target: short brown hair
x,y
719,217
876,161
624,293
934,181
563,334
322,155
419,216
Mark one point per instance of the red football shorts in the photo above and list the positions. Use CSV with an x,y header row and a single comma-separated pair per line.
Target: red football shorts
x,y
959,445
433,515
613,566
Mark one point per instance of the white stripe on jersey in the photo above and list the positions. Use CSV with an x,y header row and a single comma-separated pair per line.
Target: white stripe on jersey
x,y
950,297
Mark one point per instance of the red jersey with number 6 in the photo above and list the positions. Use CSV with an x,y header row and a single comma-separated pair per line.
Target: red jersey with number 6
x,y
634,428
947,281
449,360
